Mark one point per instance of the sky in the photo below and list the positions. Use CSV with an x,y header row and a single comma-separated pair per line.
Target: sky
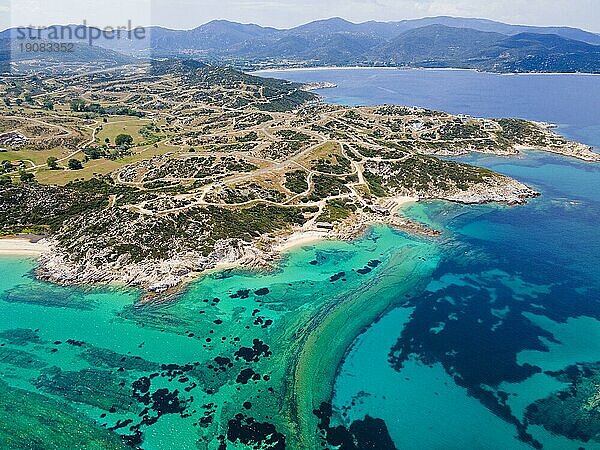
x,y
185,14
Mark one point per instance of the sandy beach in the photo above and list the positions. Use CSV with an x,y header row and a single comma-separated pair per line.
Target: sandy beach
x,y
300,238
22,247
308,69
397,203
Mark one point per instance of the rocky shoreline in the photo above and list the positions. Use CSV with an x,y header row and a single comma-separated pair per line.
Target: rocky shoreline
x,y
170,275
505,190
315,86
566,148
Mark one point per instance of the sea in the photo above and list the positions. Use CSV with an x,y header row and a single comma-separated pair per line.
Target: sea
x,y
487,337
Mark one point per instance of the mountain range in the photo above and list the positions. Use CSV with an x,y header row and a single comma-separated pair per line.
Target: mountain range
x,y
430,42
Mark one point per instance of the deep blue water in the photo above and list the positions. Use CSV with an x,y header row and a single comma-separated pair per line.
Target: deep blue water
x,y
502,350
567,100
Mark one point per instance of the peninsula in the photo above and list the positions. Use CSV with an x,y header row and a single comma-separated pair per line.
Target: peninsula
x,y
150,175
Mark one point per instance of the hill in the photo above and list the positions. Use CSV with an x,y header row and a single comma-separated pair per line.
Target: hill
x,y
428,42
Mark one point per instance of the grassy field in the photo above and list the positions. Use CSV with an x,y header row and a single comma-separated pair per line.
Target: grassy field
x,y
36,156
121,125
101,166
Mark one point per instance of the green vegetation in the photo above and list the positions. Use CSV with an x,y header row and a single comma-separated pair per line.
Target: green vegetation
x,y
80,105
74,164
26,177
29,206
326,186
52,163
124,140
296,181
421,173
160,237
332,164
337,210
522,132
375,184
292,135
150,133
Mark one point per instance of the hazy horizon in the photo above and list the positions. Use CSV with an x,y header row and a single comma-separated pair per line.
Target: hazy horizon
x,y
284,14
224,19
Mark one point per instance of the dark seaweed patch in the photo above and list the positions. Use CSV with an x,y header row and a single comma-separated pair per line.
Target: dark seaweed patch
x,y
21,336
245,375
337,276
20,358
133,440
167,402
371,433
369,267
257,435
259,348
141,386
573,412
368,433
223,362
242,293
101,357
121,424
261,292
171,371
477,347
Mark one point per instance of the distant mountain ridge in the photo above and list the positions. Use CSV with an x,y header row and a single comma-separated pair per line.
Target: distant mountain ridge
x,y
429,42
502,28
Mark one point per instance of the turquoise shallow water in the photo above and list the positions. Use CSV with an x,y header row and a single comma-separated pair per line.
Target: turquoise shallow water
x,y
496,344
501,351
221,350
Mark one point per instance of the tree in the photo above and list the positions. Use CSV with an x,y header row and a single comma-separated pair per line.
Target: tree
x,y
26,177
52,163
78,105
107,141
75,164
94,152
124,140
48,105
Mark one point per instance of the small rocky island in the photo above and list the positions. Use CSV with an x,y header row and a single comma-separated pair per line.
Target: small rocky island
x,y
150,175
315,86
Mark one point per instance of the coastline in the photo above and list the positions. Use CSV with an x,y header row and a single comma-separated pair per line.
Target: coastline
x,y
322,348
431,69
307,69
299,239
22,246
